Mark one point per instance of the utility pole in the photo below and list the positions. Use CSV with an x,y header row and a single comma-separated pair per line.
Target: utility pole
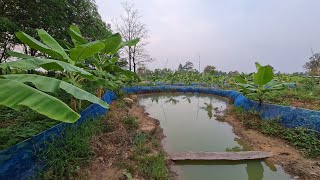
x,y
199,61
166,63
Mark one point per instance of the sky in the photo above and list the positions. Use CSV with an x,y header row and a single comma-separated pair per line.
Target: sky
x,y
229,34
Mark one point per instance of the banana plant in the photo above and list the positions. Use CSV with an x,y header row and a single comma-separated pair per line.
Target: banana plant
x,y
73,56
257,85
15,94
79,56
104,64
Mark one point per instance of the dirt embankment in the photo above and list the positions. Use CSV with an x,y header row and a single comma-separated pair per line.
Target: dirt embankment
x,y
115,151
291,159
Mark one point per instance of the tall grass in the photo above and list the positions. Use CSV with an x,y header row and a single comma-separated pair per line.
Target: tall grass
x,y
64,156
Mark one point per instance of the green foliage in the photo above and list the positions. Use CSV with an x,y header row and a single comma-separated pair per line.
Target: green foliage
x,y
47,64
151,166
313,65
140,139
263,76
64,155
17,95
302,138
84,51
70,63
257,85
154,166
209,69
51,85
51,16
131,123
16,126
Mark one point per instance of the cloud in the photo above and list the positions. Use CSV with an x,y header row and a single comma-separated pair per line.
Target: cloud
x,y
230,34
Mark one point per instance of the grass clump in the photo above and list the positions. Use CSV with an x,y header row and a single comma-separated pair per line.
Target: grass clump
x,y
304,139
64,156
144,161
151,165
130,123
122,105
154,166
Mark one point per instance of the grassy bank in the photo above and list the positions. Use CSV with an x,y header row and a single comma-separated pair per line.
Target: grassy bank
x,y
63,156
109,138
306,140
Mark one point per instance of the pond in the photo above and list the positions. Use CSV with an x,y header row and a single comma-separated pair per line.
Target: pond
x,y
189,124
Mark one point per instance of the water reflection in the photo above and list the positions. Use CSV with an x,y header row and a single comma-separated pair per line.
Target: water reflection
x,y
187,98
172,100
254,168
155,99
186,125
208,108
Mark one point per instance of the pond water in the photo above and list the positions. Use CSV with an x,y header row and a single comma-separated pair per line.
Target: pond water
x,y
189,124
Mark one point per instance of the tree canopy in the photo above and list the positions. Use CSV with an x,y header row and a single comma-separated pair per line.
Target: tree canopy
x,y
209,69
55,16
313,65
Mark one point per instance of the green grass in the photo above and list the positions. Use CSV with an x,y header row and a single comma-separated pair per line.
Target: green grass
x,y
154,166
122,104
16,126
146,164
304,139
130,123
65,155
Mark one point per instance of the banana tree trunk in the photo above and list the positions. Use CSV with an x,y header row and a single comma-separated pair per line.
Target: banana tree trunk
x,y
99,92
73,103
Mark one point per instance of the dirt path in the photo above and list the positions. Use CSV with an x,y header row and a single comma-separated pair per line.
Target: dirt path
x,y
284,154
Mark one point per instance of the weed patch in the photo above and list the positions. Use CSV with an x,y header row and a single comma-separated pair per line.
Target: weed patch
x,y
304,139
153,167
63,156
130,123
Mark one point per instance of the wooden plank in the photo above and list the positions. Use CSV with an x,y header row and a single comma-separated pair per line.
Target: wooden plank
x,y
230,156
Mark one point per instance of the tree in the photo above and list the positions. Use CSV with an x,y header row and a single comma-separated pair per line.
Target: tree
x,y
188,66
6,38
313,66
209,69
55,16
142,70
235,73
130,27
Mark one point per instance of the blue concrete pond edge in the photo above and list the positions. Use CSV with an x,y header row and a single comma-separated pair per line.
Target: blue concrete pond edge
x,y
20,160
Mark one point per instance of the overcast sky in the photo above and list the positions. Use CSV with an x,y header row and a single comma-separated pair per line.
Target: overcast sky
x,y
229,34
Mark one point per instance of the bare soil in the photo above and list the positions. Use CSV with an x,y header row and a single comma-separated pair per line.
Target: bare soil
x,y
312,105
291,159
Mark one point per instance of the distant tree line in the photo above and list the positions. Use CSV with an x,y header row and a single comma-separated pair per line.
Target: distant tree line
x,y
209,69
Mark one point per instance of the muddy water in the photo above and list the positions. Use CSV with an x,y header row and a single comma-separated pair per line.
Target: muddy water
x,y
189,123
